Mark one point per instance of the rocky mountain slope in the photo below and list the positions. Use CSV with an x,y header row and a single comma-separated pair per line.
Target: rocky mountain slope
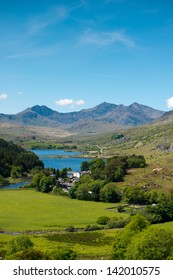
x,y
103,115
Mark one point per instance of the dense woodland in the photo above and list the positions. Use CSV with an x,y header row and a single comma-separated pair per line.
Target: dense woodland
x,y
16,162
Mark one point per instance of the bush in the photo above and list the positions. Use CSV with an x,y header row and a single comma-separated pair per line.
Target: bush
x,y
18,244
120,208
116,136
70,229
103,220
62,254
109,193
2,254
151,244
117,223
123,238
135,161
92,227
29,254
135,195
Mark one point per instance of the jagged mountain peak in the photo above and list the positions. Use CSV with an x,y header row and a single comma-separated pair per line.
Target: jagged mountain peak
x,y
42,110
106,116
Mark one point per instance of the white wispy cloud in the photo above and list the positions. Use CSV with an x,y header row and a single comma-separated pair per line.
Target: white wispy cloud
x,y
34,52
55,14
27,39
69,102
102,39
169,102
3,96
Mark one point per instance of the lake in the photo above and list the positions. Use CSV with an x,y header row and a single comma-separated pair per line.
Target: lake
x,y
49,159
14,186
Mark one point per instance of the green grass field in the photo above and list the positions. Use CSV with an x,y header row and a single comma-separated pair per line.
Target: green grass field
x,y
28,210
23,210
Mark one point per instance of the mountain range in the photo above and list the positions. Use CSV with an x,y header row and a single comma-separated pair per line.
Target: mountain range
x,y
103,117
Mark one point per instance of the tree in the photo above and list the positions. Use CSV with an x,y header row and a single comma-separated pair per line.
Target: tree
x,y
46,184
135,161
85,166
137,224
63,173
109,193
86,178
135,195
123,238
116,168
62,254
83,192
29,254
164,210
18,244
3,181
72,191
94,189
97,167
16,172
36,180
151,244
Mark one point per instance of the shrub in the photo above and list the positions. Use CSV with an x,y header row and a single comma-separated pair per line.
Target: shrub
x,y
92,227
117,223
103,220
70,228
29,254
62,254
109,193
123,238
19,243
120,208
151,244
135,161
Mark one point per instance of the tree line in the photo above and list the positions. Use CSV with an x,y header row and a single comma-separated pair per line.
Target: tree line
x,y
16,162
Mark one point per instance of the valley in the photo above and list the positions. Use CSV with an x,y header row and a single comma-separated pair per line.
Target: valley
x,y
52,219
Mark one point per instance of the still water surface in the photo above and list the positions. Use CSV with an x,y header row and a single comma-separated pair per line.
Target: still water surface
x,y
57,163
14,186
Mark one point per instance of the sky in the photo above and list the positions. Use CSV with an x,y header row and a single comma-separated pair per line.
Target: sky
x,y
75,54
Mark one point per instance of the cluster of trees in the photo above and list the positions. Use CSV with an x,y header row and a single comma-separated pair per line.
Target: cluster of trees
x,y
95,190
140,195
15,161
100,184
158,204
161,212
140,241
114,169
22,248
45,180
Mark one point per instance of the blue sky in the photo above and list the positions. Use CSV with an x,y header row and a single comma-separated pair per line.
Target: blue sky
x,y
70,55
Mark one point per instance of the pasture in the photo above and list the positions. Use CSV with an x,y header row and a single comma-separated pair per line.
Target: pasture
x,y
28,210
